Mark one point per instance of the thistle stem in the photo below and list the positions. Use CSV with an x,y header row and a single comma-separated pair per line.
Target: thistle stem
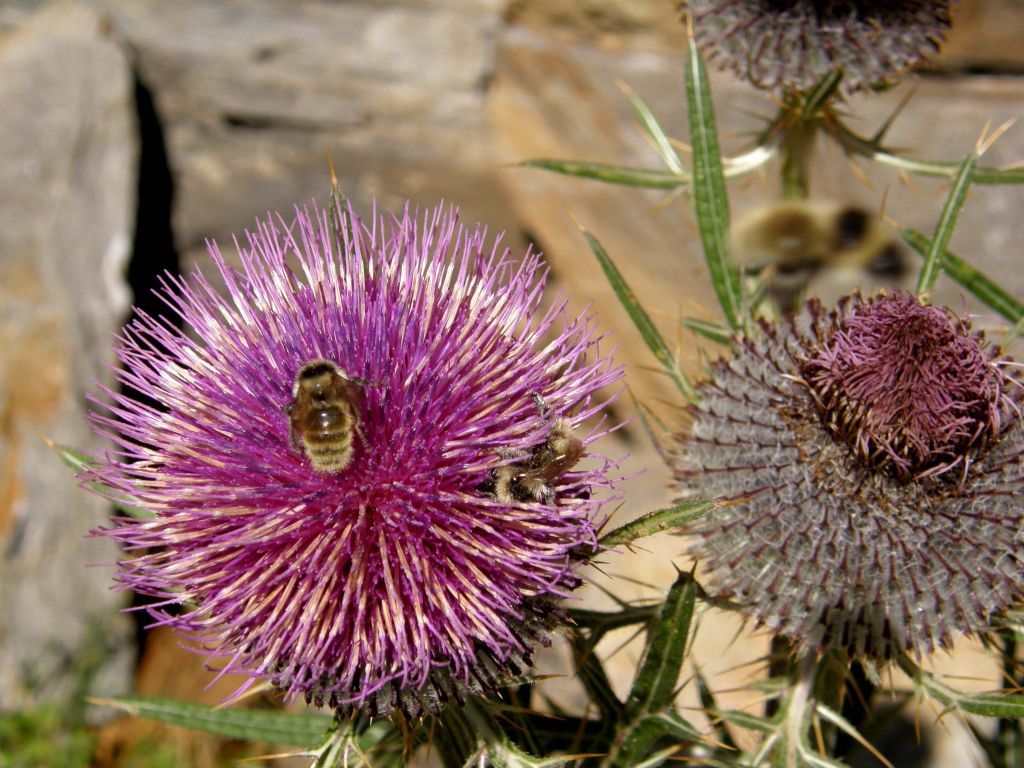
x,y
798,708
1008,734
796,149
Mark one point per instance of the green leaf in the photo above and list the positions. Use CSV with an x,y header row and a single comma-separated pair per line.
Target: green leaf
x,y
708,329
683,513
655,685
946,224
601,622
82,463
1009,737
711,204
647,178
653,129
337,211
858,145
641,319
674,725
970,278
79,461
759,757
814,760
636,741
457,739
746,720
820,94
509,756
646,716
659,758
982,175
246,724
984,704
831,716
796,147
710,706
592,675
342,746
472,735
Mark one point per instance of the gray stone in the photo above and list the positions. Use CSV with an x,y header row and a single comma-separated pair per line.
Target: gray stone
x,y
255,95
67,187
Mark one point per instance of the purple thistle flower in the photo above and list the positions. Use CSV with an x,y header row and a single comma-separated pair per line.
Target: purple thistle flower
x,y
875,458
399,581
787,45
907,385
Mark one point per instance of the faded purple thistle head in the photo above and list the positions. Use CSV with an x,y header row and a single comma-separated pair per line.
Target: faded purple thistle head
x,y
907,387
392,578
787,45
875,458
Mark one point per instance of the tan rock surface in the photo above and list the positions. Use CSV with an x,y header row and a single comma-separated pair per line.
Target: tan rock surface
x,y
67,176
985,37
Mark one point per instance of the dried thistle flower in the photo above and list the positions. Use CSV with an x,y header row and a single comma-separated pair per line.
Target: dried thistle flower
x,y
875,458
384,576
787,45
905,385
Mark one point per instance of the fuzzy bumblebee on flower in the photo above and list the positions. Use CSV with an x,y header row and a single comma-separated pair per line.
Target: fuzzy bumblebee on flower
x,y
321,450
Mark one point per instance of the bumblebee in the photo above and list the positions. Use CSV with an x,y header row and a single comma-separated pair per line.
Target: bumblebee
x,y
529,477
324,415
817,247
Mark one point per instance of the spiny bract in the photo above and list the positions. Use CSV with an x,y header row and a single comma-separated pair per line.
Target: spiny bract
x,y
788,45
874,456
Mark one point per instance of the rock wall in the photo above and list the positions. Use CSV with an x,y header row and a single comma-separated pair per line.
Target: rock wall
x,y
67,206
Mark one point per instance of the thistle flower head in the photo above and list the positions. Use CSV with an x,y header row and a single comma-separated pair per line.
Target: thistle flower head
x,y
875,457
387,574
906,385
787,45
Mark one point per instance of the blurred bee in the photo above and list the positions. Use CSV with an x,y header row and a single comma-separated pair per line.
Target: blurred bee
x,y
324,415
528,476
823,248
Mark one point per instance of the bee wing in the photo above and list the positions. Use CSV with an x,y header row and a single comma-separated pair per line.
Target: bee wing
x,y
563,461
294,417
514,457
354,392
